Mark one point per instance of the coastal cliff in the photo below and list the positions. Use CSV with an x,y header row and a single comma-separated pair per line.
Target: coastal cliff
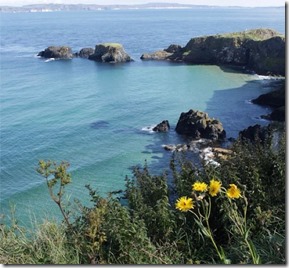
x,y
259,50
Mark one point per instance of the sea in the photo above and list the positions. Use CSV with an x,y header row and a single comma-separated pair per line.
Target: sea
x,y
99,116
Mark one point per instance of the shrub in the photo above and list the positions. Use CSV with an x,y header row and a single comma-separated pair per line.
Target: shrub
x,y
192,214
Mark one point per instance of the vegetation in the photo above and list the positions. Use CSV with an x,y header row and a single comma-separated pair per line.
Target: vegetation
x,y
255,34
115,45
232,213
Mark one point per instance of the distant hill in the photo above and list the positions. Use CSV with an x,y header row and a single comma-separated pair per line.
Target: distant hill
x,y
89,7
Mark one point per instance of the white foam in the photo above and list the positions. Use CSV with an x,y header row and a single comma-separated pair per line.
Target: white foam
x,y
269,77
148,129
213,162
259,118
208,156
48,60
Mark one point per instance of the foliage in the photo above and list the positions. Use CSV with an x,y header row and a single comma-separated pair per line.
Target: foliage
x,y
231,213
257,35
46,244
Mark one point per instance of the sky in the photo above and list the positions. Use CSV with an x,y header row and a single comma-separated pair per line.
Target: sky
x,y
249,3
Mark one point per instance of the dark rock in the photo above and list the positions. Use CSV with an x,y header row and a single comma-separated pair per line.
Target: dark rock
x,y
267,56
173,49
57,52
277,115
197,124
158,55
169,147
85,52
110,52
164,126
254,133
274,99
162,54
177,148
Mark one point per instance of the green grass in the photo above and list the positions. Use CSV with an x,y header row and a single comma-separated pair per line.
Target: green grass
x,y
115,45
256,35
46,244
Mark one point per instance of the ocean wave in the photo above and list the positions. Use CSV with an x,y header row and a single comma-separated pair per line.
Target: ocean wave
x,y
269,77
208,156
50,59
262,119
267,80
148,129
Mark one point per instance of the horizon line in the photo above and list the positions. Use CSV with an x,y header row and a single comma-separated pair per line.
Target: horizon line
x,y
149,3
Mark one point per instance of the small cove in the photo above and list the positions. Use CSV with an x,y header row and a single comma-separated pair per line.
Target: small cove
x,y
94,115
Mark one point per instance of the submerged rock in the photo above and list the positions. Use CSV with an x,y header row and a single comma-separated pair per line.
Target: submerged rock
x,y
110,52
197,125
99,124
56,52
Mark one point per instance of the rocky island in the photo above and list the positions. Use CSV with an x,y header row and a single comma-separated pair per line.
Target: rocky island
x,y
258,50
106,52
56,52
110,52
197,125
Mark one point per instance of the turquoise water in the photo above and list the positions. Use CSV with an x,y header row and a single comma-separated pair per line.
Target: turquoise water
x,y
96,115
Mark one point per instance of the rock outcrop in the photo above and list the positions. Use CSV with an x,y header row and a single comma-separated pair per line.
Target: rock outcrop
x,y
259,50
197,124
164,126
110,52
162,54
56,52
279,114
276,100
85,52
158,55
254,133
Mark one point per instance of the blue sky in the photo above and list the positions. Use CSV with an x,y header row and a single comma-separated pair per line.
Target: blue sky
x,y
249,3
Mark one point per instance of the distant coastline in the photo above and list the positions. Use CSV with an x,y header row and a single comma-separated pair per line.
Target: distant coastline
x,y
94,7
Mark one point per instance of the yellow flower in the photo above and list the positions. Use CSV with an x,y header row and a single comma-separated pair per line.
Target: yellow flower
x,y
214,187
200,186
233,191
184,204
